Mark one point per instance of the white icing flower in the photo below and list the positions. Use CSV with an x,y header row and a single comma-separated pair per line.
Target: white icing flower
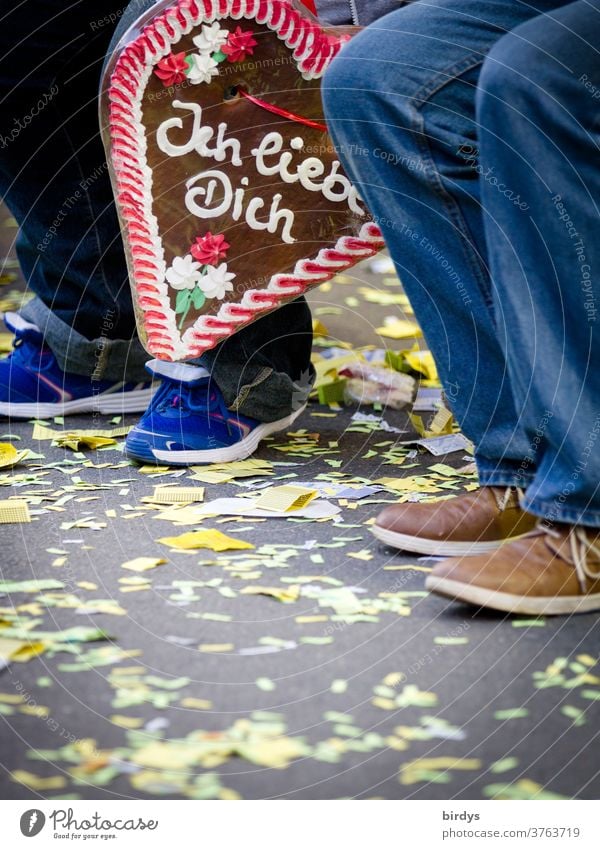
x,y
184,273
203,68
211,39
216,281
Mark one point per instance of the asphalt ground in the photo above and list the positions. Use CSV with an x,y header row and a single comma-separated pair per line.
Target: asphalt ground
x,y
313,665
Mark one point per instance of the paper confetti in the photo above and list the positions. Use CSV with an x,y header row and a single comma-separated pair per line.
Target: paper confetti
x,y
215,540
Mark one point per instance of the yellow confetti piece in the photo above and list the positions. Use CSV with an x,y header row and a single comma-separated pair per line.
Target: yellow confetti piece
x,y
87,585
214,540
408,568
41,432
319,328
14,511
285,499
286,595
423,362
308,620
223,472
441,424
413,771
142,564
10,456
409,484
383,704
35,710
400,329
383,298
176,495
126,721
365,554
76,441
11,698
216,647
196,704
36,782
392,679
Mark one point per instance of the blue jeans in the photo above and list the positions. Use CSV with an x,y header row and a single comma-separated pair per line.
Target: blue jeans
x,y
471,128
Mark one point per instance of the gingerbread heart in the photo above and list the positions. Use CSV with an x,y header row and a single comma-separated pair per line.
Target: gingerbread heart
x,y
231,197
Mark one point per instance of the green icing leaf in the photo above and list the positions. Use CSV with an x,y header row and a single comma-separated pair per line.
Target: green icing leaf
x,y
182,302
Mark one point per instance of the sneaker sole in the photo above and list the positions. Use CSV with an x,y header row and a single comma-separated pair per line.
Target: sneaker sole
x,y
135,401
508,603
434,547
242,449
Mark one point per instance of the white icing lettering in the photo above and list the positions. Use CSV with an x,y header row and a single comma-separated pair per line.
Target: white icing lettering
x,y
203,199
306,172
199,137
194,192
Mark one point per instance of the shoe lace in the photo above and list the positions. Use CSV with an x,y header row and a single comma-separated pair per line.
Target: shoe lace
x,y
503,499
580,547
197,398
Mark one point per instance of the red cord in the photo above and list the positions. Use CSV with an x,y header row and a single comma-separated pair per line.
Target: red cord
x,y
291,116
310,5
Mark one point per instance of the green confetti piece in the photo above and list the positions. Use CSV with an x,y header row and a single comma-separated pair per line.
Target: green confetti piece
x,y
511,713
347,730
574,713
522,789
167,683
528,623
30,586
332,393
338,686
593,695
338,718
316,641
504,765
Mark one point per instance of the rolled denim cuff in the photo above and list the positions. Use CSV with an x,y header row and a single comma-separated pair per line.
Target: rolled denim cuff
x,y
100,359
504,472
259,392
557,511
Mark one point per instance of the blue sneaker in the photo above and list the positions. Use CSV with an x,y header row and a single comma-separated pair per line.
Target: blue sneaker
x,y
188,423
32,384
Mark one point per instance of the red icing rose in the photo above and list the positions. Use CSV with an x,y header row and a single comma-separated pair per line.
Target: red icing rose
x,y
172,69
209,249
239,45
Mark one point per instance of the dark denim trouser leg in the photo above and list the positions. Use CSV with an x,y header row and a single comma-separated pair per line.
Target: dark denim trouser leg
x,y
400,102
53,177
539,111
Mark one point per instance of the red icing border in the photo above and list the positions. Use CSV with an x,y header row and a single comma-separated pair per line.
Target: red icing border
x,y
127,83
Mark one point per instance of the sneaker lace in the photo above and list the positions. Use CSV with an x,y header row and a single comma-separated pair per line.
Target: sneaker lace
x,y
196,398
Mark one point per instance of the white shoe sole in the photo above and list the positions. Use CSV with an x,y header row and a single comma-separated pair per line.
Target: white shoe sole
x,y
242,449
135,401
508,603
435,547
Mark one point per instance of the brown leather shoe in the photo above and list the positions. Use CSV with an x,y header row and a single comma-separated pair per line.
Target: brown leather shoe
x,y
555,571
474,523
